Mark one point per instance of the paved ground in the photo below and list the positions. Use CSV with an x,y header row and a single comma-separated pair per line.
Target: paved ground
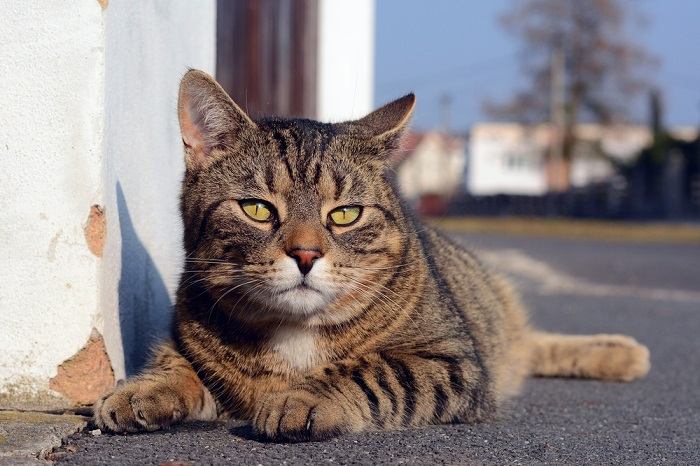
x,y
25,436
650,291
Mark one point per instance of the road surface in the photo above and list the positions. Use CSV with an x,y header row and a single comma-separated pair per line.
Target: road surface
x,y
650,291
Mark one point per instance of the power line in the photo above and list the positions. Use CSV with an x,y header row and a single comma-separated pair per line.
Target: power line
x,y
454,72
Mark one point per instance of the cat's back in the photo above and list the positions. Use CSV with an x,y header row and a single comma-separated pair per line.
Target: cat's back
x,y
485,298
455,263
494,318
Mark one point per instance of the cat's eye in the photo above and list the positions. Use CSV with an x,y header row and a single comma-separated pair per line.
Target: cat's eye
x,y
346,215
258,210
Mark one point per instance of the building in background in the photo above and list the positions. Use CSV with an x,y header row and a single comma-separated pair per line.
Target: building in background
x,y
510,158
506,159
431,170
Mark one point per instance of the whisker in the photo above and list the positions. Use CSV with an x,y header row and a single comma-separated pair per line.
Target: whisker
x,y
226,293
212,274
216,271
210,261
397,306
380,268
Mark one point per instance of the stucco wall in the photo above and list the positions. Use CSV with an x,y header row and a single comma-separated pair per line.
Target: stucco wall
x,y
149,45
51,64
89,117
345,59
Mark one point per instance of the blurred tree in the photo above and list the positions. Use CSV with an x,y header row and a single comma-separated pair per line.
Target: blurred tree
x,y
578,64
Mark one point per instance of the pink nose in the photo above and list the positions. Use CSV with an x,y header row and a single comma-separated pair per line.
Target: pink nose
x,y
305,258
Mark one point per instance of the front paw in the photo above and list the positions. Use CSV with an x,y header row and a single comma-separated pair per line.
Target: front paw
x,y
299,415
138,405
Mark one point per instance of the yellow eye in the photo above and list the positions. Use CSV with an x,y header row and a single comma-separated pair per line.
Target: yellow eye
x,y
259,211
346,215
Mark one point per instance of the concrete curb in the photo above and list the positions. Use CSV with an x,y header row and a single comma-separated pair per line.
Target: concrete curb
x,y
28,437
621,231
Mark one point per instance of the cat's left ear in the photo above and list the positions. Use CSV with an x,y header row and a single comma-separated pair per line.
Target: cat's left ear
x,y
210,121
388,122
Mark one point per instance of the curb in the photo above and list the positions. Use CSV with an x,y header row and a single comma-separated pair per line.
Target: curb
x,y
28,437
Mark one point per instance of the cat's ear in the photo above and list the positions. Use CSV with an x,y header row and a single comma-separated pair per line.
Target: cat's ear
x,y
388,122
210,121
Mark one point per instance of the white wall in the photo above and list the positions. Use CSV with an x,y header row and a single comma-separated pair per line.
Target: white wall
x,y
505,167
436,166
88,110
150,45
51,121
345,59
506,159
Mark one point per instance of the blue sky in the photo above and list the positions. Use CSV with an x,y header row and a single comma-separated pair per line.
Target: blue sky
x,y
438,47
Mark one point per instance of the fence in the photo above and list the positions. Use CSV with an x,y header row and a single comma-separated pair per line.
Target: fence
x,y
618,199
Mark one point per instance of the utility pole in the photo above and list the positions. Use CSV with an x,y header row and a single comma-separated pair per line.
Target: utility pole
x,y
446,112
557,173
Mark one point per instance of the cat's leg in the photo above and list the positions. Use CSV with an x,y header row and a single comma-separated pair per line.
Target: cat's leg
x,y
603,356
378,391
168,391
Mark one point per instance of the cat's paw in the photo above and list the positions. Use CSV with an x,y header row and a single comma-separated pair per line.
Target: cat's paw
x,y
138,405
617,357
299,416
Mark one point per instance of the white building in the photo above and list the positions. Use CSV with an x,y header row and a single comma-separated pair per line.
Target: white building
x,y
509,158
90,235
506,159
432,169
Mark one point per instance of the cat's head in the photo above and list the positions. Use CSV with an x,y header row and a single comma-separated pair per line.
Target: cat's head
x,y
290,217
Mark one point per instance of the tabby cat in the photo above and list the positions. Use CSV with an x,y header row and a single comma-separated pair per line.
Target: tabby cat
x,y
313,304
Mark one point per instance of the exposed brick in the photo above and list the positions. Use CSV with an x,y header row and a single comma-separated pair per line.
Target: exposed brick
x,y
87,375
96,230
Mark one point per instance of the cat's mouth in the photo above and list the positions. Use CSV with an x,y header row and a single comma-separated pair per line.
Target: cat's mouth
x,y
301,299
302,287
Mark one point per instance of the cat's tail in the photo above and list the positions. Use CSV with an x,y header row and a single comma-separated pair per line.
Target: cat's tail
x,y
605,357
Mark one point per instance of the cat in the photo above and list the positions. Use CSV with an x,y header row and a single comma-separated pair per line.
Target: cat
x,y
314,304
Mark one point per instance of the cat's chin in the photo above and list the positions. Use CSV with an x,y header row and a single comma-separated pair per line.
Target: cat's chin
x,y
300,300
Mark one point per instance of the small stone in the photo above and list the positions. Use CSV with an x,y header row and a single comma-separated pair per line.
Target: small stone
x,y
96,432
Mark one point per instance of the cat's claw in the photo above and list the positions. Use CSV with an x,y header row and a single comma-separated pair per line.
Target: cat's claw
x,y
298,416
137,406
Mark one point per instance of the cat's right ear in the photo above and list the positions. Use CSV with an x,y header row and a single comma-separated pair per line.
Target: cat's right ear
x,y
210,120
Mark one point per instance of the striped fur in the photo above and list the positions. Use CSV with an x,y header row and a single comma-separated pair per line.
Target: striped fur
x,y
399,326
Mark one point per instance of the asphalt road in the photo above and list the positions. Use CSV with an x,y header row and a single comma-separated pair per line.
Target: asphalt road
x,y
649,291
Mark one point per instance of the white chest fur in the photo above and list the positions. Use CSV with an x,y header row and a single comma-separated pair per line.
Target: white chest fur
x,y
296,346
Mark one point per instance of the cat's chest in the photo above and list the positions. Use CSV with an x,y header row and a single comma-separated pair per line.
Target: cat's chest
x,y
298,347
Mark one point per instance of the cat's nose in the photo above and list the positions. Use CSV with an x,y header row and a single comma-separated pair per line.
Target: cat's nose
x,y
305,258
